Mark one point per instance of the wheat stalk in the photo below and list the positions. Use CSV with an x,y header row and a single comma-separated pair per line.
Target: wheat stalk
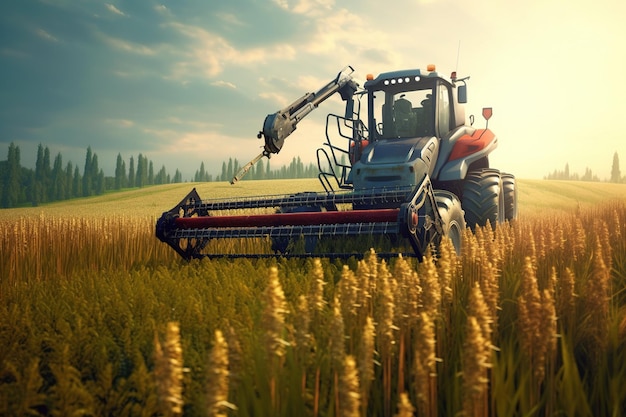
x,y
366,361
217,378
349,391
169,371
405,408
475,363
424,365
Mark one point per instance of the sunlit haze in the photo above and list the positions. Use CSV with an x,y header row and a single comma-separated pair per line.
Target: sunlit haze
x,y
185,82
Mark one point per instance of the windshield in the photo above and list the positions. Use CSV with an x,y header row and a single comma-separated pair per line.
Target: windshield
x,y
403,114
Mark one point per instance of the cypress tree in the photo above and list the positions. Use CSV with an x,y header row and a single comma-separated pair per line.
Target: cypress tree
x,y
616,175
12,179
88,174
120,172
178,176
57,189
77,189
131,173
99,183
224,173
48,192
150,173
69,169
38,187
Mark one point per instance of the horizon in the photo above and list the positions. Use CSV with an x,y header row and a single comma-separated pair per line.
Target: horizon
x,y
565,168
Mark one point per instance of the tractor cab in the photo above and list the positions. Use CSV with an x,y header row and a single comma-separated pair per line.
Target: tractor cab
x,y
410,104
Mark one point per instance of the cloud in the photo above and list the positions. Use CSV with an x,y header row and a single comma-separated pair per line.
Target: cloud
x,y
283,4
163,10
222,83
306,7
45,35
210,53
230,19
313,7
114,10
276,97
126,46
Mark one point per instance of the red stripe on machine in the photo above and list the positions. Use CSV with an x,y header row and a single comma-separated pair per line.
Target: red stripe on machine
x,y
290,219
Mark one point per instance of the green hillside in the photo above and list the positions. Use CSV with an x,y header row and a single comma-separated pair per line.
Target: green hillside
x,y
535,196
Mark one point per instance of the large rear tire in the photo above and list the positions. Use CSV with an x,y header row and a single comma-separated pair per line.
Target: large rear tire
x,y
510,196
452,218
483,198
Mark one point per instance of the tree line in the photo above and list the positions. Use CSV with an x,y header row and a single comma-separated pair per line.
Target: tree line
x,y
49,182
260,171
52,180
616,175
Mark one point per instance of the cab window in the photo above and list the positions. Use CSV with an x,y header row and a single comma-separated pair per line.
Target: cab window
x,y
402,114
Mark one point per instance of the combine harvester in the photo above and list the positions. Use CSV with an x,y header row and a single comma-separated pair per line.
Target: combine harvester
x,y
403,166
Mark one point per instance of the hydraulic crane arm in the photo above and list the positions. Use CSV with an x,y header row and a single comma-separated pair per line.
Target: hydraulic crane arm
x,y
281,124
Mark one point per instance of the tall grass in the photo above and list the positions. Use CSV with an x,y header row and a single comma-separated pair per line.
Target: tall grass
x,y
99,318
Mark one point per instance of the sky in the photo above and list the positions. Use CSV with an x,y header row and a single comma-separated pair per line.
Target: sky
x,y
191,81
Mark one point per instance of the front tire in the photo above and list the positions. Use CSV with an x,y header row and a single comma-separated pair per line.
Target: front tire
x,y
483,198
452,217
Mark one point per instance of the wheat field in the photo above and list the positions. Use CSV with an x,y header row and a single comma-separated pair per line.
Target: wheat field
x,y
99,318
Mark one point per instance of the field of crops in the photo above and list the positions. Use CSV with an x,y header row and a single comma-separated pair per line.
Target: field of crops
x,y
97,317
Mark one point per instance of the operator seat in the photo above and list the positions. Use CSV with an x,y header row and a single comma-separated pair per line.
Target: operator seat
x,y
404,118
425,125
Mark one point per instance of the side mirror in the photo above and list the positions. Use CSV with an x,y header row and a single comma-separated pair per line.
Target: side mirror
x,y
487,113
462,93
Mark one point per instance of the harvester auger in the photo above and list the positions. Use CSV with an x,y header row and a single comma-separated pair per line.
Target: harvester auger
x,y
409,174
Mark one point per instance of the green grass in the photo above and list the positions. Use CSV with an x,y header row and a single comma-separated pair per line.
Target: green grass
x,y
539,195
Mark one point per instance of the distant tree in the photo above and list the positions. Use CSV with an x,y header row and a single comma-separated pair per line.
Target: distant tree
x,y
88,174
161,176
57,189
224,173
587,175
47,175
200,174
178,176
69,169
99,183
139,178
616,175
39,192
12,178
95,169
131,173
120,172
150,173
77,189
